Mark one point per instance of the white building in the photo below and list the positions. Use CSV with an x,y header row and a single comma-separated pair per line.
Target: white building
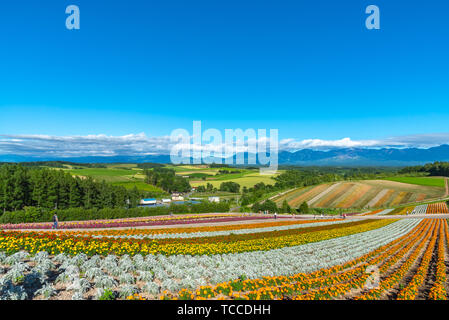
x,y
147,201
214,199
166,200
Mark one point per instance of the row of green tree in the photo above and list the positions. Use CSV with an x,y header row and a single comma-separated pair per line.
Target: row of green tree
x,y
58,164
34,214
167,180
56,189
228,186
432,169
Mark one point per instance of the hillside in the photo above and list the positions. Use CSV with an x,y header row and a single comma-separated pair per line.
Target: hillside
x,y
360,194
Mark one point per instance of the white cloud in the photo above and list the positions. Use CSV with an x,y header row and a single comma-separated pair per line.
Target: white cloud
x,y
141,145
289,144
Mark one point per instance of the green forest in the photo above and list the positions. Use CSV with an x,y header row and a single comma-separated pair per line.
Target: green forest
x,y
54,189
432,169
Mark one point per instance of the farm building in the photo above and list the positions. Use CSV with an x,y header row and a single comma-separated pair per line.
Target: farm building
x,y
148,201
166,200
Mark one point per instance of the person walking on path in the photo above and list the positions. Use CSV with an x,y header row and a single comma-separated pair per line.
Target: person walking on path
x,y
275,215
55,221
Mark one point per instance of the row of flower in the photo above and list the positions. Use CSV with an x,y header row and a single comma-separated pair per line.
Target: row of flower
x,y
357,286
438,290
135,222
240,231
411,254
34,241
331,283
421,209
323,283
411,290
440,207
196,229
24,276
370,213
381,259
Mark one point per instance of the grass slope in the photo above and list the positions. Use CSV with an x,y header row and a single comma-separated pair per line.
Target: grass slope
x,y
421,181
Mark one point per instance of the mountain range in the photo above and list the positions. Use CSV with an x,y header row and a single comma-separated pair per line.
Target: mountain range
x,y
304,157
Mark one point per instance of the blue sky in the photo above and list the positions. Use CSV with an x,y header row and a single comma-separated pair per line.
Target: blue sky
x,y
308,68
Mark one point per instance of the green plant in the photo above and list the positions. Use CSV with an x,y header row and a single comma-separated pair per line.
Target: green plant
x,y
107,295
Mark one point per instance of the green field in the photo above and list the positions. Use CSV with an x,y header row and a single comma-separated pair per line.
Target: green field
x,y
248,180
128,175
421,181
140,185
108,175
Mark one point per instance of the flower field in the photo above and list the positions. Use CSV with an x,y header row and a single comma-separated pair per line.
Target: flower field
x,y
239,258
363,194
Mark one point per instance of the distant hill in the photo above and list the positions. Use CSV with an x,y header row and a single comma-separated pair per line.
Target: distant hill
x,y
359,156
305,157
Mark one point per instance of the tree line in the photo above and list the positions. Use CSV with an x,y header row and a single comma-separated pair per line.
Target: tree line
x,y
167,180
33,214
21,187
432,169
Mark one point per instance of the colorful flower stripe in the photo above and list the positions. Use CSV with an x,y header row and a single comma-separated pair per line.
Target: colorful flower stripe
x,y
33,242
386,260
411,290
271,287
394,278
438,290
340,284
440,207
128,223
229,227
371,213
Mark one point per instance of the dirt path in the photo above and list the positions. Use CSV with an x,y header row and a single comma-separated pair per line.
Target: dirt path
x,y
282,193
447,188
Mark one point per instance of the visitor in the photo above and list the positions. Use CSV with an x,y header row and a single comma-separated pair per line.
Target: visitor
x,y
55,221
275,215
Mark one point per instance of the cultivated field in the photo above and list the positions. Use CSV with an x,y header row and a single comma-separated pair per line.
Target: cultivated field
x,y
361,194
247,180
